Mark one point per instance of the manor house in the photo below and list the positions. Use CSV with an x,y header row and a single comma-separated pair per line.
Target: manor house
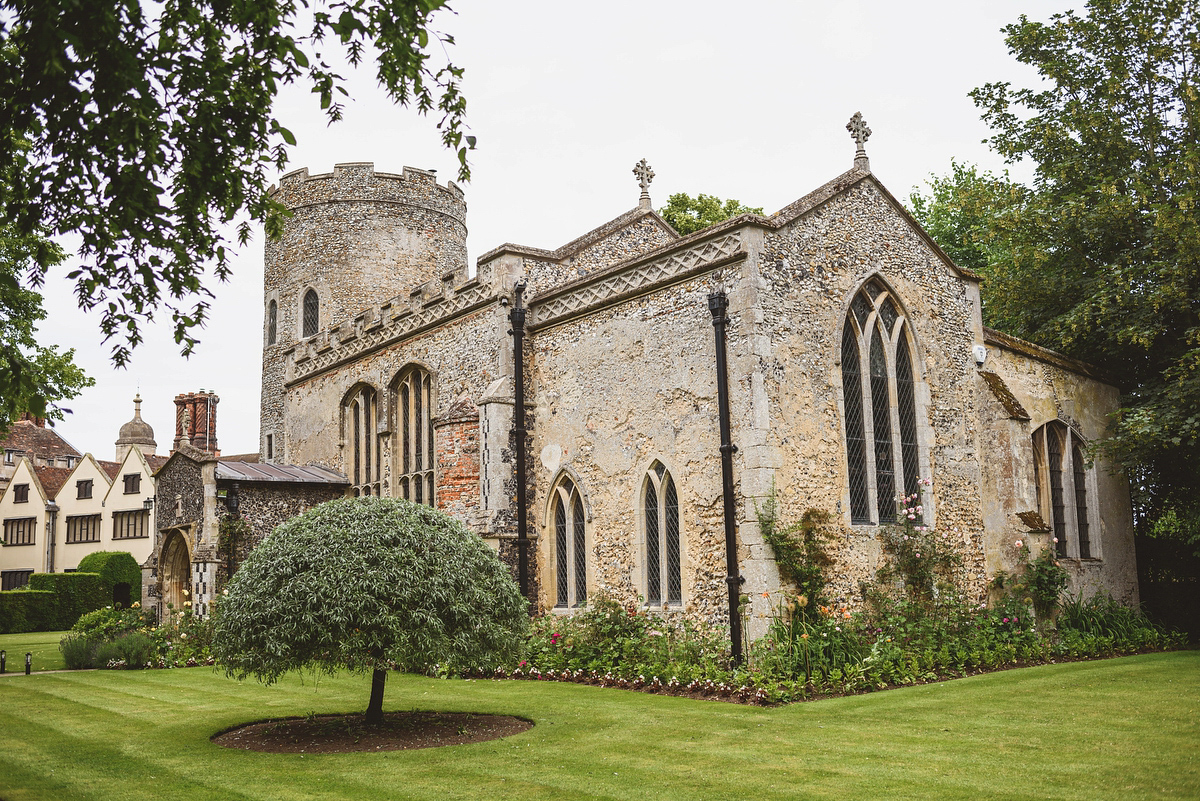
x,y
858,364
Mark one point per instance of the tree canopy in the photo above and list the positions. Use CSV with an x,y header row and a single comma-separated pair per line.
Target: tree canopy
x,y
688,215
150,129
33,377
1100,256
369,584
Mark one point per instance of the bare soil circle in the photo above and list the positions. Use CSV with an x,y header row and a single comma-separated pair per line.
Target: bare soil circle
x,y
340,734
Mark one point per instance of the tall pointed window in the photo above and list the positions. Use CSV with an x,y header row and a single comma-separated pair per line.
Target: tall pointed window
x,y
570,545
660,507
414,454
272,321
879,402
360,416
1060,475
312,313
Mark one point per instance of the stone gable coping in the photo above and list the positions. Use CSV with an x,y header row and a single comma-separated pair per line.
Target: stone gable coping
x,y
1002,340
1003,394
568,250
843,183
638,276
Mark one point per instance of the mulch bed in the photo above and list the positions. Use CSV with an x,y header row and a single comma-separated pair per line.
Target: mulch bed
x,y
339,734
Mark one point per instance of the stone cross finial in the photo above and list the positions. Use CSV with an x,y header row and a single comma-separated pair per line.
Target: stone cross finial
x,y
859,132
644,175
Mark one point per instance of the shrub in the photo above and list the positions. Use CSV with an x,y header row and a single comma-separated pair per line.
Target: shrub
x,y
116,569
133,651
1039,581
75,594
801,551
111,622
26,610
79,650
921,563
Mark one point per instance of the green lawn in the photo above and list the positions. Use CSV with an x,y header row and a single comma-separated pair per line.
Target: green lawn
x,y
1120,728
42,644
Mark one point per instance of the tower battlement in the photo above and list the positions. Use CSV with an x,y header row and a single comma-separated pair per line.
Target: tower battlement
x,y
358,181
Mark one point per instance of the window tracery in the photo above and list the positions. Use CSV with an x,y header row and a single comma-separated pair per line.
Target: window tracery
x,y
414,457
879,403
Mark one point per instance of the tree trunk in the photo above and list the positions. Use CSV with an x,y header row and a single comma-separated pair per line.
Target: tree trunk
x,y
375,707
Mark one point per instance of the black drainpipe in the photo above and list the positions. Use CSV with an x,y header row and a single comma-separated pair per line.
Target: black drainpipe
x,y
717,304
516,317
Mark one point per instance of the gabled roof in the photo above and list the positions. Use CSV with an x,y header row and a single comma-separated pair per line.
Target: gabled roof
x,y
156,462
52,479
111,469
250,472
573,247
31,438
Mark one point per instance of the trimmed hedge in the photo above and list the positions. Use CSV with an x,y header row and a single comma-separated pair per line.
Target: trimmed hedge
x,y
26,610
75,593
115,568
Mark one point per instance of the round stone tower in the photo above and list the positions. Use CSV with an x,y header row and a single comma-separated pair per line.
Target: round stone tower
x,y
356,238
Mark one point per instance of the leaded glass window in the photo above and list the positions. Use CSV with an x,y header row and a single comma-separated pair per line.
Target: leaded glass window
x,y
570,545
414,456
272,321
1061,475
664,579
361,439
879,405
312,313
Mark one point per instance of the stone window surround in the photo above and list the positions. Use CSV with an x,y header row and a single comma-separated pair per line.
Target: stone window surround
x,y
558,491
921,401
642,559
272,321
369,459
393,422
1040,460
322,310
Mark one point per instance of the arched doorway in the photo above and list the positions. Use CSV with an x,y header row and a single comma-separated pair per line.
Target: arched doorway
x,y
175,569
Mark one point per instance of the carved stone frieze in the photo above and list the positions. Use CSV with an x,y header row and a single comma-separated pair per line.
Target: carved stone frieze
x,y
633,280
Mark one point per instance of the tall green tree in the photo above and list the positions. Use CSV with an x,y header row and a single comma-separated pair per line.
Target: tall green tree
x,y
1100,256
150,128
688,215
33,377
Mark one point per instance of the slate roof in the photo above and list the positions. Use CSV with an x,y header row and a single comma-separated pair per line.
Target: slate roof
x,y
233,470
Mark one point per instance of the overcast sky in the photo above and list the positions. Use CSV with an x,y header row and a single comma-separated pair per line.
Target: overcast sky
x,y
745,100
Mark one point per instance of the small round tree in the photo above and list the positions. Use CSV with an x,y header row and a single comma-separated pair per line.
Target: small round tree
x,y
369,584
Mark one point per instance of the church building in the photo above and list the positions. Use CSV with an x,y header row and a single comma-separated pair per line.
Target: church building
x,y
857,364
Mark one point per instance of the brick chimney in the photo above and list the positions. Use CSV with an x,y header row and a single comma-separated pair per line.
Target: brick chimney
x,y
196,421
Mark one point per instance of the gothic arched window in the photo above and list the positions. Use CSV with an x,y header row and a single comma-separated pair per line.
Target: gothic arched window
x,y
360,416
272,321
879,399
312,313
570,545
660,508
1060,475
414,457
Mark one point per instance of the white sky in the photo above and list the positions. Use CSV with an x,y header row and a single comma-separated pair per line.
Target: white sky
x,y
745,100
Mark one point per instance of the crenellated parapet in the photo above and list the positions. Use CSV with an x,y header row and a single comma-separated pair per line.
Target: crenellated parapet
x,y
359,182
429,304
